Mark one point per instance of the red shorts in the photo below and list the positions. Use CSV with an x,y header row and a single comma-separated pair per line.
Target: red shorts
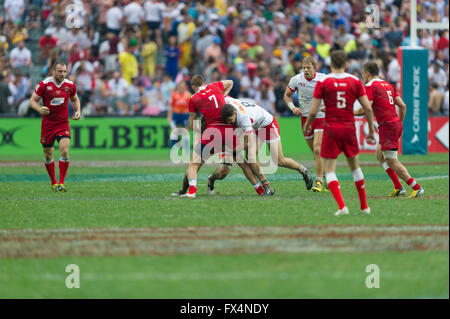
x,y
390,133
50,130
316,126
339,139
216,136
270,133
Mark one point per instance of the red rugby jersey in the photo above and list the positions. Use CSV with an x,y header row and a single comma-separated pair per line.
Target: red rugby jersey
x,y
56,98
209,102
339,92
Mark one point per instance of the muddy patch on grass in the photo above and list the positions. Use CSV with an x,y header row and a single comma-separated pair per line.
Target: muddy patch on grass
x,y
36,243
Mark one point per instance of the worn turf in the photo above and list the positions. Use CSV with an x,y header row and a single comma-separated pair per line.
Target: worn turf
x,y
130,238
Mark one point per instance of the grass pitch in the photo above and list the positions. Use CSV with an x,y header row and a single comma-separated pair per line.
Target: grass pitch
x,y
131,239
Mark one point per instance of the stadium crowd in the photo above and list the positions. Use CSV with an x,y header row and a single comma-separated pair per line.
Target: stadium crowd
x,y
127,57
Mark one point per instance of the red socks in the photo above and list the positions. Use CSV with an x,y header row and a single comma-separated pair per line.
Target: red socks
x,y
412,183
358,177
361,193
335,189
392,175
51,172
63,167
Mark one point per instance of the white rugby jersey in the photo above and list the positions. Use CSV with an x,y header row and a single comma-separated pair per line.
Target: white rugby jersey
x,y
249,115
305,91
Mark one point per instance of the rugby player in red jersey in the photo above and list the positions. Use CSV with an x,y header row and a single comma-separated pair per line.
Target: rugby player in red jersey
x,y
339,90
208,100
55,92
383,97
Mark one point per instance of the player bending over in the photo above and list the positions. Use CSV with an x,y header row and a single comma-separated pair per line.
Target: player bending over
x,y
209,100
304,83
339,90
383,97
251,117
55,92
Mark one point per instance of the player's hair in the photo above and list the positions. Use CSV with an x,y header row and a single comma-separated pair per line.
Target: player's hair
x,y
371,68
338,59
227,112
310,59
58,62
197,81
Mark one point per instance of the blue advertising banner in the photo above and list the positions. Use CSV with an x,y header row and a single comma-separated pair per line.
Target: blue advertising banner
x,y
414,91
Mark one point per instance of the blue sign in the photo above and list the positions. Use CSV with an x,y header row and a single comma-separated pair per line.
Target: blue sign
x,y
414,72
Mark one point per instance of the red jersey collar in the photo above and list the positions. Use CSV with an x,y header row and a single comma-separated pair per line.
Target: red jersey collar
x,y
310,78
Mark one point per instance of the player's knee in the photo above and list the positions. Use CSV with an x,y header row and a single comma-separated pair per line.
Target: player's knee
x,y
316,151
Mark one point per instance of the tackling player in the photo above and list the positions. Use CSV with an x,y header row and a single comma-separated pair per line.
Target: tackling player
x,y
304,83
383,97
251,117
339,90
209,100
55,92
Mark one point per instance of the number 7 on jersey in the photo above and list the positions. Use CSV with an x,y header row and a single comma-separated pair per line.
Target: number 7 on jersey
x,y
213,97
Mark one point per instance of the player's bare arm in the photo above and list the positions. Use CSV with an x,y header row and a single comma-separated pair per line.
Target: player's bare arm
x,y
227,86
192,117
360,111
315,104
76,107
367,107
401,107
34,103
290,103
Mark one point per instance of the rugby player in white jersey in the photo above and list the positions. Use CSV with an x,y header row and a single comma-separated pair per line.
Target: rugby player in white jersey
x,y
304,83
252,117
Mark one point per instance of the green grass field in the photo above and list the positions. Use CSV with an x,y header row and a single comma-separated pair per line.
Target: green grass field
x,y
131,239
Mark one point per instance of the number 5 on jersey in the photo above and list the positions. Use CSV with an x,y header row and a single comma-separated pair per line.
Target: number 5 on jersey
x,y
341,102
213,97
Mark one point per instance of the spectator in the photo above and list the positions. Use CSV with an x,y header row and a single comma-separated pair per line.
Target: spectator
x,y
118,87
47,44
134,13
135,97
214,51
250,82
148,54
60,33
153,17
83,78
435,100
437,75
172,53
23,84
20,33
20,56
114,18
185,31
167,87
445,109
101,94
14,10
265,97
129,65
393,71
4,94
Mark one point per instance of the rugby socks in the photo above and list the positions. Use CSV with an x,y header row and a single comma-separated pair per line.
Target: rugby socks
x,y
302,169
50,166
192,186
258,188
335,189
185,186
265,183
392,175
413,184
63,167
358,177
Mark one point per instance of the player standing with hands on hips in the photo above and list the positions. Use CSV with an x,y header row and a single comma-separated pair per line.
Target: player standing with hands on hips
x,y
339,90
55,92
